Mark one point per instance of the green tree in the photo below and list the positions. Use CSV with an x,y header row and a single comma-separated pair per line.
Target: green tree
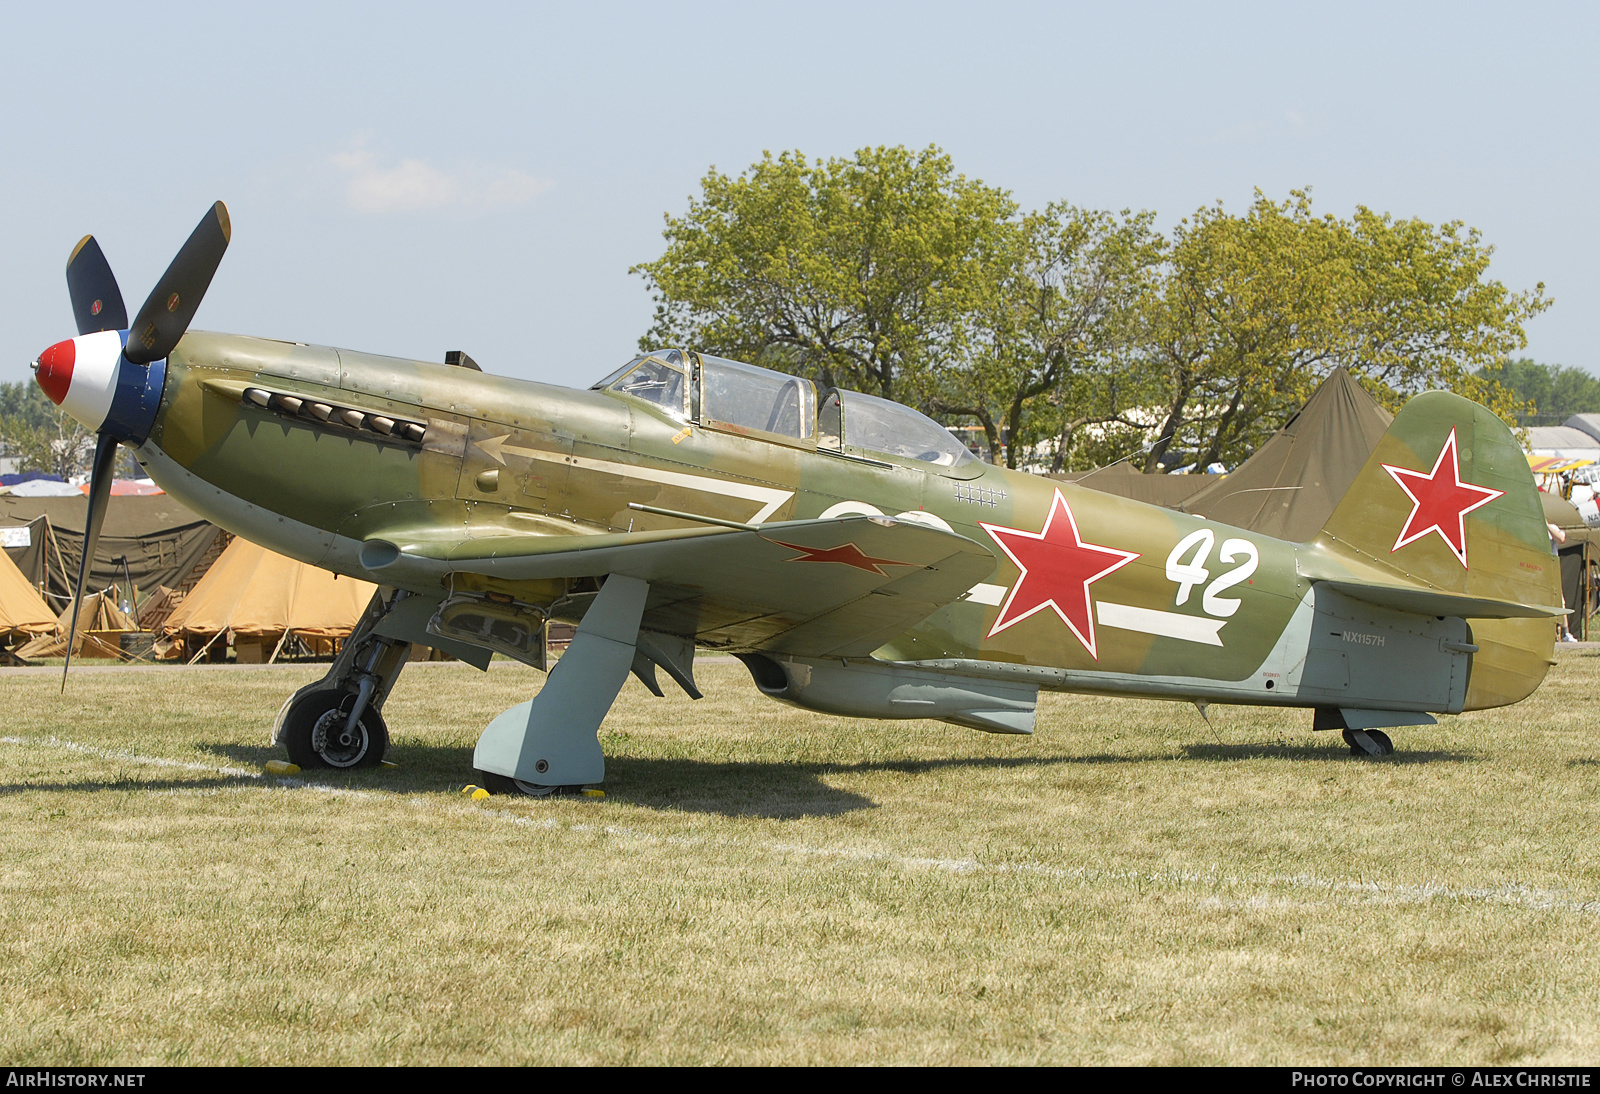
x,y
1550,394
1041,351
40,437
27,404
856,271
1253,310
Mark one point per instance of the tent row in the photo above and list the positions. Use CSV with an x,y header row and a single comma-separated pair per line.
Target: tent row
x,y
166,585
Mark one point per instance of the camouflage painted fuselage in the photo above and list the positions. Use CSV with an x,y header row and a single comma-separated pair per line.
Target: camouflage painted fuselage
x,y
441,479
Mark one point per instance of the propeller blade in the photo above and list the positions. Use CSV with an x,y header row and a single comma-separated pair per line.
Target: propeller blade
x,y
105,459
96,301
172,303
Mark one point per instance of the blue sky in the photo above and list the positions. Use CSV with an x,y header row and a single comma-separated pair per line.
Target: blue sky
x,y
409,180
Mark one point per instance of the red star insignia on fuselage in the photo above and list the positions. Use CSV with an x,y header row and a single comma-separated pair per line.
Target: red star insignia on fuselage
x,y
847,555
1057,570
1440,501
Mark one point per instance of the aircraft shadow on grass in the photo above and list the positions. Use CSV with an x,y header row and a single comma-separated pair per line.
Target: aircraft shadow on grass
x,y
1316,751
774,790
765,789
782,790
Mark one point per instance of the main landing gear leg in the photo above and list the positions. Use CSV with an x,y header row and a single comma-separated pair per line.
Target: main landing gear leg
x,y
550,742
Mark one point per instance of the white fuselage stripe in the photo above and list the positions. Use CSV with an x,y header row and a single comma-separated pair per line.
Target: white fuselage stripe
x,y
1185,628
1125,617
984,593
769,497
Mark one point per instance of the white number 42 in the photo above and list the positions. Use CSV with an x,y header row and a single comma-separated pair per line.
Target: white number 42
x,y
1189,574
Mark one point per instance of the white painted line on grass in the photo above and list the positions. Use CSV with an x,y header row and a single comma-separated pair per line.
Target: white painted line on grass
x,y
184,765
130,757
1511,893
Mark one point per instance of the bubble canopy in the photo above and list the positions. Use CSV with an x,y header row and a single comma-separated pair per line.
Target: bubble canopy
x,y
735,397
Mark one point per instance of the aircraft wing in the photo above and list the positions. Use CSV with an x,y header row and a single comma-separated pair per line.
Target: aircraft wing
x,y
839,587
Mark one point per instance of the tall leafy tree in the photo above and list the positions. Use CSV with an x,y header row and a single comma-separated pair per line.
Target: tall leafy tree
x,y
856,270
889,272
1550,394
1252,310
1041,350
40,437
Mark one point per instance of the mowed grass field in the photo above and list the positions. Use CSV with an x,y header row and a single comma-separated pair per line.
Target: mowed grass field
x,y
764,885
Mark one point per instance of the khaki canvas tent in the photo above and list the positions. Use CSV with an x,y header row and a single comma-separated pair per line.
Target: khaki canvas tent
x,y
22,610
100,629
1122,480
258,601
1288,489
162,540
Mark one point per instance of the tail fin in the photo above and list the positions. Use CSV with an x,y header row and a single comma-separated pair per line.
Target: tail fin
x,y
1445,520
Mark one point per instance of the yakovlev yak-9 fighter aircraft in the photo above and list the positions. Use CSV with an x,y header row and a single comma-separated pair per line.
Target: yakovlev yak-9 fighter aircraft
x,y
847,549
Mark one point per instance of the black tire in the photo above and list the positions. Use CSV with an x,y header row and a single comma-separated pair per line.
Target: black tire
x,y
1379,738
314,724
503,784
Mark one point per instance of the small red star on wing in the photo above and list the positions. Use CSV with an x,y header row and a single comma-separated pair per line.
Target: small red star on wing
x,y
1057,570
847,555
1440,501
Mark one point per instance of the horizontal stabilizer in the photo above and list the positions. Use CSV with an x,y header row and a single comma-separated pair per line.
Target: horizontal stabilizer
x,y
1402,598
1362,718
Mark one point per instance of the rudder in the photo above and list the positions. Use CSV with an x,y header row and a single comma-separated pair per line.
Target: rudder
x,y
1447,499
1445,519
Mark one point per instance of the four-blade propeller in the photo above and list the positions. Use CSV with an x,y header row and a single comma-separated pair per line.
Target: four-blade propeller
x,y
110,376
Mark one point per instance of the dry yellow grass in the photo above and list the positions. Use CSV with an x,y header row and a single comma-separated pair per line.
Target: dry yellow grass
x,y
763,885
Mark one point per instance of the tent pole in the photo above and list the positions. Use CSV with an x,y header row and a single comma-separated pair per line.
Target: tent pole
x,y
205,647
279,647
1588,594
61,563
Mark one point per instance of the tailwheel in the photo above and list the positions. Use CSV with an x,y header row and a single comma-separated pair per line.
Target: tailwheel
x,y
317,733
1368,742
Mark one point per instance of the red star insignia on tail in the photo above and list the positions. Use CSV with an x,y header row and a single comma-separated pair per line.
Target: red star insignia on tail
x,y
1440,501
1057,570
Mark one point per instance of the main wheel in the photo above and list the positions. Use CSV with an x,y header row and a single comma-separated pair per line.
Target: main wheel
x,y
314,732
